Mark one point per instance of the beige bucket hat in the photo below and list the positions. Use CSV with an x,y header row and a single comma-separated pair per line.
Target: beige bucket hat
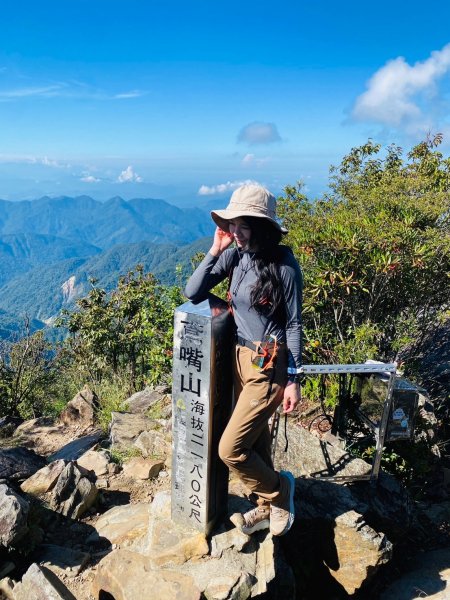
x,y
248,200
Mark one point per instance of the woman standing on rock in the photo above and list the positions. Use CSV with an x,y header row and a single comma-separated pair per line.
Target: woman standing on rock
x,y
265,295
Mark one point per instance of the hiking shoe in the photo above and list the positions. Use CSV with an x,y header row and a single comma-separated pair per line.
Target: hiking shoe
x,y
253,520
282,513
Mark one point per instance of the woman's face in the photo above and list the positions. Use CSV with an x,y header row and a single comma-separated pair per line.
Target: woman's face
x,y
241,232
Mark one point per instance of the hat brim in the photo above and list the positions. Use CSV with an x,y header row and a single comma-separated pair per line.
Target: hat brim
x,y
222,218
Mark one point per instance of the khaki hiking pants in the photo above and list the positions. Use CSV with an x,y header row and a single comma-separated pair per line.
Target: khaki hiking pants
x,y
245,443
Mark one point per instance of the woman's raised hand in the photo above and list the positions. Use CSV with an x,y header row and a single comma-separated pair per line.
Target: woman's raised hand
x,y
222,240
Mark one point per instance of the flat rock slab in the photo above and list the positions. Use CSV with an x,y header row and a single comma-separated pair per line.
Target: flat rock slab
x,y
428,578
125,525
19,463
77,448
129,576
61,560
39,583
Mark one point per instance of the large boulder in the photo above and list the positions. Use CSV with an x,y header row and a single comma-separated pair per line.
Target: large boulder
x,y
387,501
39,583
140,402
19,463
125,428
310,456
237,567
169,543
75,491
153,444
13,516
126,575
43,480
126,526
96,461
339,523
360,551
81,409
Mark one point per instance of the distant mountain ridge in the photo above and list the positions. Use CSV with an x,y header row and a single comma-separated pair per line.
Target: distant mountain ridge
x,y
21,252
104,224
50,247
44,290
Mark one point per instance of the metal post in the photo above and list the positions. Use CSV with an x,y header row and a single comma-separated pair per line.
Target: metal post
x,y
380,434
201,406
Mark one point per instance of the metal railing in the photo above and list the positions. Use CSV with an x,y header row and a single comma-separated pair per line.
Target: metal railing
x,y
379,430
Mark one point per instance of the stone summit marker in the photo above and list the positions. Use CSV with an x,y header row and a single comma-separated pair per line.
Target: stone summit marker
x,y
201,406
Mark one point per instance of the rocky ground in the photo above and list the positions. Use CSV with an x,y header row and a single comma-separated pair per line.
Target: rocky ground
x,y
121,491
91,511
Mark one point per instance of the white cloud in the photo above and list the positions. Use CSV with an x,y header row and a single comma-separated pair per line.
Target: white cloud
x,y
251,160
130,94
90,179
46,91
49,162
395,91
129,176
248,159
259,133
33,160
221,188
66,89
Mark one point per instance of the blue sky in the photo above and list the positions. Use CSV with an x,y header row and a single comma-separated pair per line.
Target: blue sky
x,y
185,100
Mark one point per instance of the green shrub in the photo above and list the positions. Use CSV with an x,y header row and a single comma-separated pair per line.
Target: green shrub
x,y
111,398
127,334
375,252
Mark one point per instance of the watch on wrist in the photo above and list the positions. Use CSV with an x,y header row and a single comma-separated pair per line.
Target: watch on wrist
x,y
294,378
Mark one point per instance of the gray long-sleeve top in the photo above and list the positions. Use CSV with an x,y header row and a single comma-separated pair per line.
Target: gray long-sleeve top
x,y
250,324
